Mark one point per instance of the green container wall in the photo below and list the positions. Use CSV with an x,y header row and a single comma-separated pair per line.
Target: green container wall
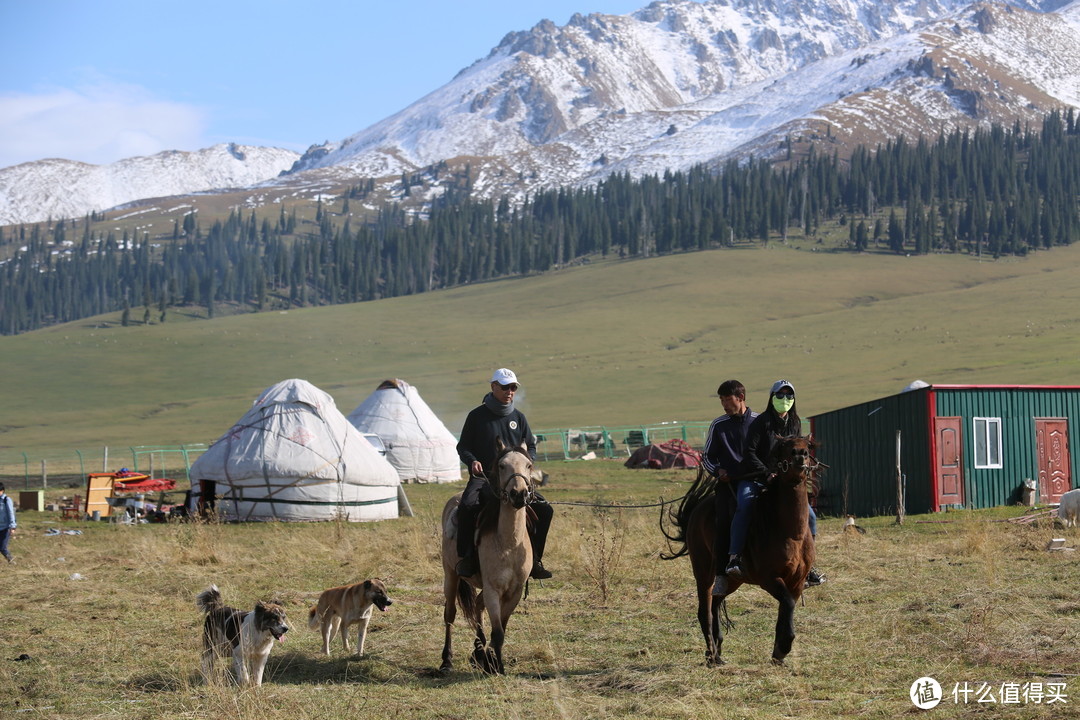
x,y
1017,408
859,445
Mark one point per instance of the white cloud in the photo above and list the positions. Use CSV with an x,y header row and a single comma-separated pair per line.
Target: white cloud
x,y
99,123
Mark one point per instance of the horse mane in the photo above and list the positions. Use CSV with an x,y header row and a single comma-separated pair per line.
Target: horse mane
x,y
703,488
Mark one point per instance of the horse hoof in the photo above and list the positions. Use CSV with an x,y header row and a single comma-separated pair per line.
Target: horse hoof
x,y
446,668
778,661
715,662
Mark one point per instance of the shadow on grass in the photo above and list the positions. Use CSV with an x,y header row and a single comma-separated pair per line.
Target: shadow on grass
x,y
296,668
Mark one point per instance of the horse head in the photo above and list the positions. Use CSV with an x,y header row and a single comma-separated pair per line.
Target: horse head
x,y
513,468
793,458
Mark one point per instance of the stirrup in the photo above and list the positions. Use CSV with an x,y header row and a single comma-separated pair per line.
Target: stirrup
x,y
814,578
734,569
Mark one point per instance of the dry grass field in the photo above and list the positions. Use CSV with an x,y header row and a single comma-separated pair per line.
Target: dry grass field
x,y
108,625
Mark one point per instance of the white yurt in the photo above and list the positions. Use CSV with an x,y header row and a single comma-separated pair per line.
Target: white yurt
x,y
294,457
418,445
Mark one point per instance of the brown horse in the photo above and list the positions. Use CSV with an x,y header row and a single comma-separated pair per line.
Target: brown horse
x,y
505,555
779,549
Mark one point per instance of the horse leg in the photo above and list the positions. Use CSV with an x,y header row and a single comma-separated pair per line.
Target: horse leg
x,y
498,619
709,620
450,587
785,620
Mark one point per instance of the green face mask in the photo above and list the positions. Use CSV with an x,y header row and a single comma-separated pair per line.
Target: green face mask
x,y
782,405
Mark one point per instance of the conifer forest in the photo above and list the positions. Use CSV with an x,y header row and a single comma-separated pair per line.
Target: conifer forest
x,y
999,191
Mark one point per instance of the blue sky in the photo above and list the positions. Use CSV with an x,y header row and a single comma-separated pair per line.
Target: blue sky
x,y
98,81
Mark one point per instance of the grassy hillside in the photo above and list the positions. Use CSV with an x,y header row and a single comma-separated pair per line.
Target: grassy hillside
x,y
614,342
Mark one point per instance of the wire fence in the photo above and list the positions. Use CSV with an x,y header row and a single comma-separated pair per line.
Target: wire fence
x,y
614,442
30,469
68,468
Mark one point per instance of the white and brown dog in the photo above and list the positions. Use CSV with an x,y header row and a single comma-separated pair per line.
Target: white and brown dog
x,y
341,607
247,637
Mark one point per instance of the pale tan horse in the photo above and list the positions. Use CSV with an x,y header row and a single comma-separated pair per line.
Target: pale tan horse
x,y
505,555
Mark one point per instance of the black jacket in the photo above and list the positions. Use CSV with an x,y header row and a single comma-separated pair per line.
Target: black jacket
x,y
761,440
481,428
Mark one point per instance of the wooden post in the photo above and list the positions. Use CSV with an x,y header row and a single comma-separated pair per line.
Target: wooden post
x,y
899,485
44,475
105,459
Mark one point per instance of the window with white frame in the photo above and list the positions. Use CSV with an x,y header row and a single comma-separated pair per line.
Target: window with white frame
x,y
987,442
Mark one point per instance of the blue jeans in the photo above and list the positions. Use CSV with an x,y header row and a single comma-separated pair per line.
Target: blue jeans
x,y
5,536
746,493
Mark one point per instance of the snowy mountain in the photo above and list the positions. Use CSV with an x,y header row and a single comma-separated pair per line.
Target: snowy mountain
x,y
679,83
45,189
672,85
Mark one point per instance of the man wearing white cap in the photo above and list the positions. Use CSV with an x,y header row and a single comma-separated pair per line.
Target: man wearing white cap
x,y
496,417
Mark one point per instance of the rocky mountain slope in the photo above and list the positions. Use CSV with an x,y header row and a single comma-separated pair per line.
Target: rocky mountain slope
x,y
672,85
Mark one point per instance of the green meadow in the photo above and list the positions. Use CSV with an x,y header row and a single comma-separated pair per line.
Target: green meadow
x,y
103,623
606,343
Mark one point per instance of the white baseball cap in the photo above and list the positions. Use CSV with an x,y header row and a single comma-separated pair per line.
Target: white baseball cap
x,y
504,376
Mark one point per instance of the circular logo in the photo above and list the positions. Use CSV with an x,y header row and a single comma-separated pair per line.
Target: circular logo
x,y
925,693
513,424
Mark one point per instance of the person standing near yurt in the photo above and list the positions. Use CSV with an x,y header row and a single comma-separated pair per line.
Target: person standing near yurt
x,y
496,417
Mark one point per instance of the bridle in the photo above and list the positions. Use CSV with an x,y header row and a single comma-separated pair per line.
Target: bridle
x,y
504,494
808,469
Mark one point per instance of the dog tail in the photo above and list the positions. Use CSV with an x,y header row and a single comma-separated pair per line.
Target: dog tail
x,y
313,617
209,599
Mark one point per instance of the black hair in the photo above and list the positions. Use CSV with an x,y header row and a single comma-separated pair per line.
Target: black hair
x,y
733,388
791,425
2,488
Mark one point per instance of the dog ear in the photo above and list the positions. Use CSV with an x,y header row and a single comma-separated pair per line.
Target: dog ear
x,y
367,584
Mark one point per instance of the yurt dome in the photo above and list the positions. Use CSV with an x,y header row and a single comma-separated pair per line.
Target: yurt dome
x,y
418,445
294,457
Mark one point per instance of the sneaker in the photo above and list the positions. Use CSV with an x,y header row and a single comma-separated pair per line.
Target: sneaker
x,y
734,569
468,565
814,578
539,572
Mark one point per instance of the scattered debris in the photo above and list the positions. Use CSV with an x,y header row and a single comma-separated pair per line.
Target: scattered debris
x,y
1030,517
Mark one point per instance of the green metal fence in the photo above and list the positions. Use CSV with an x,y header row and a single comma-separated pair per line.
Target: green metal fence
x,y
23,470
68,468
598,441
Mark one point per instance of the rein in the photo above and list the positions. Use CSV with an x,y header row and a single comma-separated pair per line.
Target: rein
x,y
505,496
502,493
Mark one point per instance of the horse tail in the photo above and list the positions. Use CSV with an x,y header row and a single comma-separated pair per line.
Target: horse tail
x,y
466,597
678,518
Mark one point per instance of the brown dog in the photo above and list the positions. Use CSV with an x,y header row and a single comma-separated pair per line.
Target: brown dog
x,y
341,607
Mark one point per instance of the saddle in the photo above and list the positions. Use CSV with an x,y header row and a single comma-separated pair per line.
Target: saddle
x,y
488,515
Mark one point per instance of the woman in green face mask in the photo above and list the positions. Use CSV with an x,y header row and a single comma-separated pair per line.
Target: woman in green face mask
x,y
780,419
